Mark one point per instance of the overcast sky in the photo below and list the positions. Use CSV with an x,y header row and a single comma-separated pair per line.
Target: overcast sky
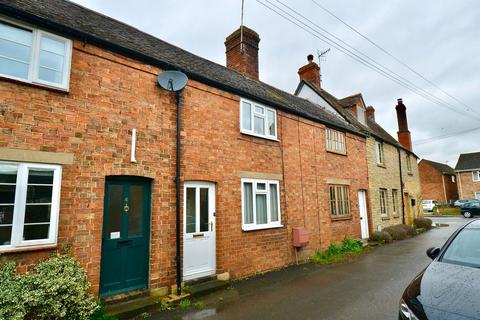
x,y
438,39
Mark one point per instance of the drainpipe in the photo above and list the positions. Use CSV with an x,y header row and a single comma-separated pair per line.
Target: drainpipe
x,y
401,184
177,185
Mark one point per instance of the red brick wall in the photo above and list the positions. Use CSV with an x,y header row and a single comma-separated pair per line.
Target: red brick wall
x,y
109,95
431,182
467,185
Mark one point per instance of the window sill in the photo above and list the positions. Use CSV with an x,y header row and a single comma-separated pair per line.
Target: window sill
x,y
337,152
33,84
258,136
385,218
396,216
410,173
261,227
29,249
381,165
349,217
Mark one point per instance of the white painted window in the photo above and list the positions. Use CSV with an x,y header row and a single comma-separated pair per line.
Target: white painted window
x,y
379,152
409,163
29,204
361,115
395,201
258,120
260,204
383,202
339,200
335,140
32,55
476,175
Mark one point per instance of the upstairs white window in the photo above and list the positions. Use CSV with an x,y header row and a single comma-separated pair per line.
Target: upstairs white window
x,y
260,204
476,175
361,114
379,152
409,163
258,120
34,56
335,141
29,204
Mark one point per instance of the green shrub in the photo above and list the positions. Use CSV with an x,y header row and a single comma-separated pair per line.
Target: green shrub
x,y
57,288
338,252
408,229
397,232
423,223
381,236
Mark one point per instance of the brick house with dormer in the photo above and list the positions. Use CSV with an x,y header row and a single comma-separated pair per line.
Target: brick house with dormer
x,y
439,181
88,155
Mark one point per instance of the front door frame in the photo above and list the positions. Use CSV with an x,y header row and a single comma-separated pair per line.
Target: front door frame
x,y
146,217
212,227
364,223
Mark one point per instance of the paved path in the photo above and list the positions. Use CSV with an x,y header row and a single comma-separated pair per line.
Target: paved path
x,y
367,288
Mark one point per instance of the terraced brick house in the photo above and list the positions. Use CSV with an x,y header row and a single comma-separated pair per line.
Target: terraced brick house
x,y
88,154
468,175
394,185
439,181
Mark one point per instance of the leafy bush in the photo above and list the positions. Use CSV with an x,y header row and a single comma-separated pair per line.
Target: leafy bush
x,y
423,223
338,252
408,229
56,289
397,232
381,236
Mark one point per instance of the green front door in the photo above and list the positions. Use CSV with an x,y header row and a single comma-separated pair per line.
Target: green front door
x,y
126,235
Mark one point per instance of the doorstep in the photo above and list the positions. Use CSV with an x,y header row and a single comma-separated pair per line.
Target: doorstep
x,y
127,308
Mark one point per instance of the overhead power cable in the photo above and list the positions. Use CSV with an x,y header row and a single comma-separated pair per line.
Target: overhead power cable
x,y
379,69
390,55
444,136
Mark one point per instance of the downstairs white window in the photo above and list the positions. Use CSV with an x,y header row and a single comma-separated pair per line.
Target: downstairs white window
x,y
29,204
260,204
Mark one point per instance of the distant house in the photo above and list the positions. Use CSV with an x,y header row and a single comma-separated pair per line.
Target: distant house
x,y
438,181
468,175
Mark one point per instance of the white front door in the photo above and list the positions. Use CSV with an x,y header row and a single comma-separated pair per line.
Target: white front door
x,y
198,230
362,204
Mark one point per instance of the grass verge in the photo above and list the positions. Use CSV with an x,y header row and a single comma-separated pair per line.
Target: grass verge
x,y
448,211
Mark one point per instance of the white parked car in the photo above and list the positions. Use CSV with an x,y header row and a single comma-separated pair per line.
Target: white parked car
x,y
429,205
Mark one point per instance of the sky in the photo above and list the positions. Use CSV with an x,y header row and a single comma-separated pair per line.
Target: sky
x,y
437,39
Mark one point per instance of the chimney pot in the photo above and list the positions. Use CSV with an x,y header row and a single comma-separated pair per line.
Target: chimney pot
x,y
404,136
242,51
310,72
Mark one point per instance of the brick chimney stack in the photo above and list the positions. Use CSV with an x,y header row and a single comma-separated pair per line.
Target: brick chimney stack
x,y
310,72
370,112
242,52
403,134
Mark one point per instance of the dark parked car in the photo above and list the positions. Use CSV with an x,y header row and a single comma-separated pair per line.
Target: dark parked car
x,y
448,288
461,203
471,209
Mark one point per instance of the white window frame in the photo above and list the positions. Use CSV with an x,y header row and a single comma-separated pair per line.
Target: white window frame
x,y
379,153
453,179
476,175
383,202
34,65
252,117
409,163
270,224
20,204
395,202
335,141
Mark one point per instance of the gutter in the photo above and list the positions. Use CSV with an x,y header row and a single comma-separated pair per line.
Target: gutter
x,y
82,36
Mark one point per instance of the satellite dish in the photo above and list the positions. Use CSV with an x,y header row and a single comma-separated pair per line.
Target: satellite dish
x,y
172,80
